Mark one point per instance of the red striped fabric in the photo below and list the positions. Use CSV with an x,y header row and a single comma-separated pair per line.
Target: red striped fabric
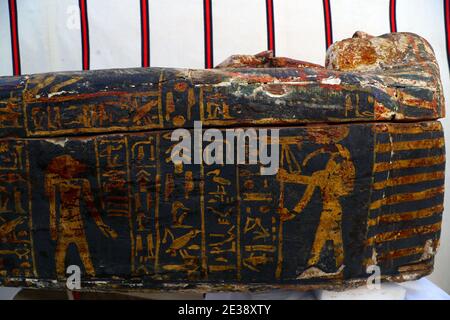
x,y
145,42
207,12
14,37
328,24
208,30
84,34
270,26
392,15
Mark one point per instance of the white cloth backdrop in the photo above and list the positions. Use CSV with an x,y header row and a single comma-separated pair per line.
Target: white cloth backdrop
x,y
52,35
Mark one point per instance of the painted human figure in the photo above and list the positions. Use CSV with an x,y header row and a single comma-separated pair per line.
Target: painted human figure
x,y
334,181
65,191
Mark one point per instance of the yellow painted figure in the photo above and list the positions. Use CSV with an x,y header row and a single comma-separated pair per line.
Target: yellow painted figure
x,y
65,192
334,181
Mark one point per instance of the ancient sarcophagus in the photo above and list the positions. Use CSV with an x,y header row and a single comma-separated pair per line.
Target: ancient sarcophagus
x,y
343,172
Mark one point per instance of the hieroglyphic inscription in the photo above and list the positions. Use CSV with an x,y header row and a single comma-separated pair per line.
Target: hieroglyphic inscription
x,y
118,202
180,221
113,175
16,250
144,159
221,215
259,228
95,113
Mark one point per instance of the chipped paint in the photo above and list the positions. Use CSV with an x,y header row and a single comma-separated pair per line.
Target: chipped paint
x,y
58,141
331,80
52,94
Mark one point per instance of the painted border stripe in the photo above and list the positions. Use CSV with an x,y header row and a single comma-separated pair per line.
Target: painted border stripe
x,y
406,216
208,25
409,163
328,23
397,181
145,29
270,26
400,253
14,37
406,233
405,252
411,101
406,197
84,34
393,15
409,129
410,145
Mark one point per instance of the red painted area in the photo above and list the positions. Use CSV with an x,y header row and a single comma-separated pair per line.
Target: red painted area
x,y
145,34
328,26
270,26
84,34
392,15
207,8
14,37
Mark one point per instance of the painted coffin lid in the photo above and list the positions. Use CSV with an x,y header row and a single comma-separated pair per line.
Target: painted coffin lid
x,y
391,77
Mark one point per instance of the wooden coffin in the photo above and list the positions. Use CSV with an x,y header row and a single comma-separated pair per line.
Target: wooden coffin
x,y
87,179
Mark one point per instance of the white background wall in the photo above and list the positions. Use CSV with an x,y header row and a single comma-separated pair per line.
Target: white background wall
x,y
50,40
